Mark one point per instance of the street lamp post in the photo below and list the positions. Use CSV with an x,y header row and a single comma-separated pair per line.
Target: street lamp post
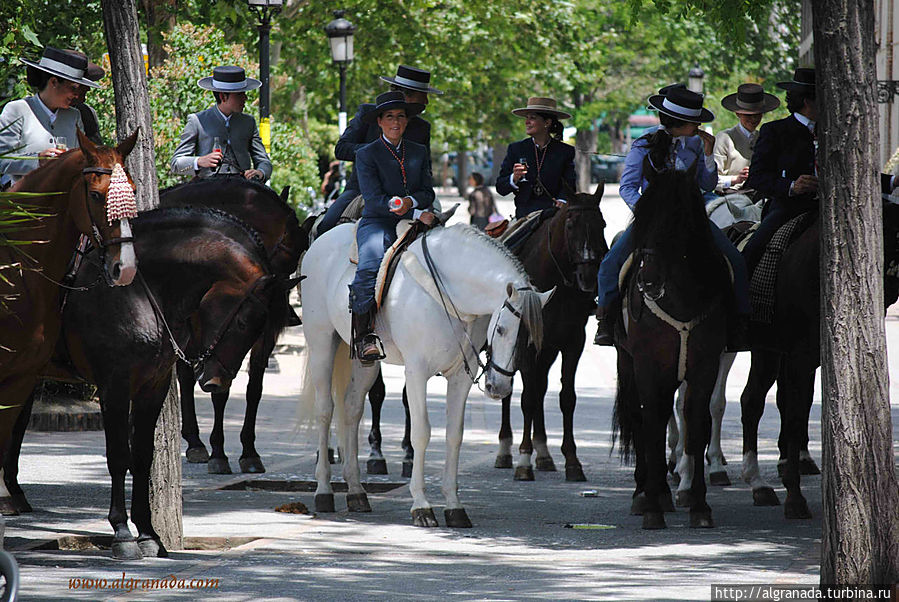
x,y
340,36
694,79
265,9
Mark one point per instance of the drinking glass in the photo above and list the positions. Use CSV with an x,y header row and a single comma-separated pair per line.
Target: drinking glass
x,y
523,161
60,143
217,144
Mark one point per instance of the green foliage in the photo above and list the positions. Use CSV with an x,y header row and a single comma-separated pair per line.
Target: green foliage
x,y
295,164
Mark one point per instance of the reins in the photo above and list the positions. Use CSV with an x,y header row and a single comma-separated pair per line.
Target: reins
x,y
569,282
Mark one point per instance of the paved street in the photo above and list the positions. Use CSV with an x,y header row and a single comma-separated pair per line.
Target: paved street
x,y
519,548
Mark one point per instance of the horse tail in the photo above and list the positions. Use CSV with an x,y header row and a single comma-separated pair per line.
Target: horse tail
x,y
340,380
624,425
305,415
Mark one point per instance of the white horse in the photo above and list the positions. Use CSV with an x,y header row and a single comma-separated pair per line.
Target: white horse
x,y
452,288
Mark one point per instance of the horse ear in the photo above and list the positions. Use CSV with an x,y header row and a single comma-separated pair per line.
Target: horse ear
x,y
510,289
127,145
291,282
285,193
87,147
600,189
545,297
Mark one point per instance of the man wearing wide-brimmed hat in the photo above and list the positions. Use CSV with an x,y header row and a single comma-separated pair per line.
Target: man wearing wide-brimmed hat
x,y
415,84
536,168
239,150
44,125
733,146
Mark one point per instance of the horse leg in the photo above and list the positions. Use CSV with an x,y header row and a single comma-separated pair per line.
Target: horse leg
x,y
408,449
457,388
657,400
807,465
762,374
114,403
353,407
627,414
797,384
320,370
218,461
682,469
376,463
504,455
543,460
416,386
717,404
250,462
571,355
13,500
145,415
697,433
190,432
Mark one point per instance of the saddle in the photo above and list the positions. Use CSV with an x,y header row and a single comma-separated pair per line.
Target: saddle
x,y
519,231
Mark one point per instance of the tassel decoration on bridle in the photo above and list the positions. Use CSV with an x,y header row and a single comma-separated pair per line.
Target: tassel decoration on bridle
x,y
120,201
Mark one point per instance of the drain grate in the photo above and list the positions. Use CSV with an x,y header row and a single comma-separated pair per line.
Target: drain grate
x,y
304,486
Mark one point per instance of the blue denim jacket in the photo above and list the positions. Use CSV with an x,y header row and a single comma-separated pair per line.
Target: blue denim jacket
x,y
633,184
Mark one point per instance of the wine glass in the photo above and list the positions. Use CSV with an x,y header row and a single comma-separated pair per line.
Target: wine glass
x,y
523,161
60,143
217,145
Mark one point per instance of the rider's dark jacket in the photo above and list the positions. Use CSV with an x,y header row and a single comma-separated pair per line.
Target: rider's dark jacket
x,y
556,166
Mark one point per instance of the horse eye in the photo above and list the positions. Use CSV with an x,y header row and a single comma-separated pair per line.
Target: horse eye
x,y
96,196
500,330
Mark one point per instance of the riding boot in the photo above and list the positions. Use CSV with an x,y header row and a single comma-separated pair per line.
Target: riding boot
x,y
367,343
737,334
605,327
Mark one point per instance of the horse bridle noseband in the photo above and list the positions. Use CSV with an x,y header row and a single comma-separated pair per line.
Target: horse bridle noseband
x,y
581,260
490,363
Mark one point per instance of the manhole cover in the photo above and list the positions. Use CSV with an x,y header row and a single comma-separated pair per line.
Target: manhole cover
x,y
303,486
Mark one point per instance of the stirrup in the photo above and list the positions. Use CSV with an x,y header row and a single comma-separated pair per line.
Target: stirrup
x,y
366,340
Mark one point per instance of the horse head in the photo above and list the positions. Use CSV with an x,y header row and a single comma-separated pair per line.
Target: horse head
x,y
102,206
517,322
890,253
577,236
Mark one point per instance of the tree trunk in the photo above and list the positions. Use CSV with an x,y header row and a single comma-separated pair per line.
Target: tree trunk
x,y
161,18
133,110
860,492
462,168
585,143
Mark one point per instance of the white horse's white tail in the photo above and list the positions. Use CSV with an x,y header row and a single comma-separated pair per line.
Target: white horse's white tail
x,y
341,373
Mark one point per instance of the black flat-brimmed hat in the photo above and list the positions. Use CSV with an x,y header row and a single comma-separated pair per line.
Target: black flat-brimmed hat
x,y
64,64
750,98
682,104
541,104
392,100
803,81
410,78
229,78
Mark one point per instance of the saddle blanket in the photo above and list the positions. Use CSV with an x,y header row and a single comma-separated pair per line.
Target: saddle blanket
x,y
764,278
521,229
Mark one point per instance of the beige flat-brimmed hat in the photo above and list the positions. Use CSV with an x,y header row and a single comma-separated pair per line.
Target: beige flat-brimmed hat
x,y
750,98
539,104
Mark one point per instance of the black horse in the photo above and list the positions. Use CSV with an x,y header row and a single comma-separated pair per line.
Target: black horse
x,y
203,291
676,303
789,351
277,224
563,252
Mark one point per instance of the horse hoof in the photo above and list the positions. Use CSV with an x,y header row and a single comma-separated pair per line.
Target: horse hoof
x,y
251,465
503,461
675,478
376,466
457,518
21,503
331,459
126,550
8,507
357,502
719,478
764,496
424,517
654,520
683,499
218,466
152,548
796,508
665,502
407,470
807,466
524,473
545,464
197,455
701,520
324,502
575,474
638,504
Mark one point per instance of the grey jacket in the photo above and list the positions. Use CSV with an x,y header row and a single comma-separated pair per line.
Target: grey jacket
x,y
240,140
25,131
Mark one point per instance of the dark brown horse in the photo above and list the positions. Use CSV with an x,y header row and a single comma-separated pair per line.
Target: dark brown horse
x,y
564,252
277,224
72,190
203,290
789,351
675,305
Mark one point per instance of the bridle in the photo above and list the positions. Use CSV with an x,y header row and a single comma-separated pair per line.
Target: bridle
x,y
490,363
587,254
102,244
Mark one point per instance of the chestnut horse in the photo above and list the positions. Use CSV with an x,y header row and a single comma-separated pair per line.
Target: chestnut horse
x,y
277,224
675,304
71,190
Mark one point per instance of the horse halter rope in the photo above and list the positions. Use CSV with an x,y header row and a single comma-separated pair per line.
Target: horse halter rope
x,y
206,353
586,256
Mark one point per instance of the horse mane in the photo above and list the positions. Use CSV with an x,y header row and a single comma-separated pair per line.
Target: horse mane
x,y
203,213
479,237
670,218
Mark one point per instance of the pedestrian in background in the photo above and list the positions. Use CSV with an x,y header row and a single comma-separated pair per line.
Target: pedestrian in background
x,y
480,202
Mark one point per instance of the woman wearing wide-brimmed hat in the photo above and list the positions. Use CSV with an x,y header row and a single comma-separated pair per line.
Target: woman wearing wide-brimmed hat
x,y
733,147
240,150
395,181
44,125
536,167
677,144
